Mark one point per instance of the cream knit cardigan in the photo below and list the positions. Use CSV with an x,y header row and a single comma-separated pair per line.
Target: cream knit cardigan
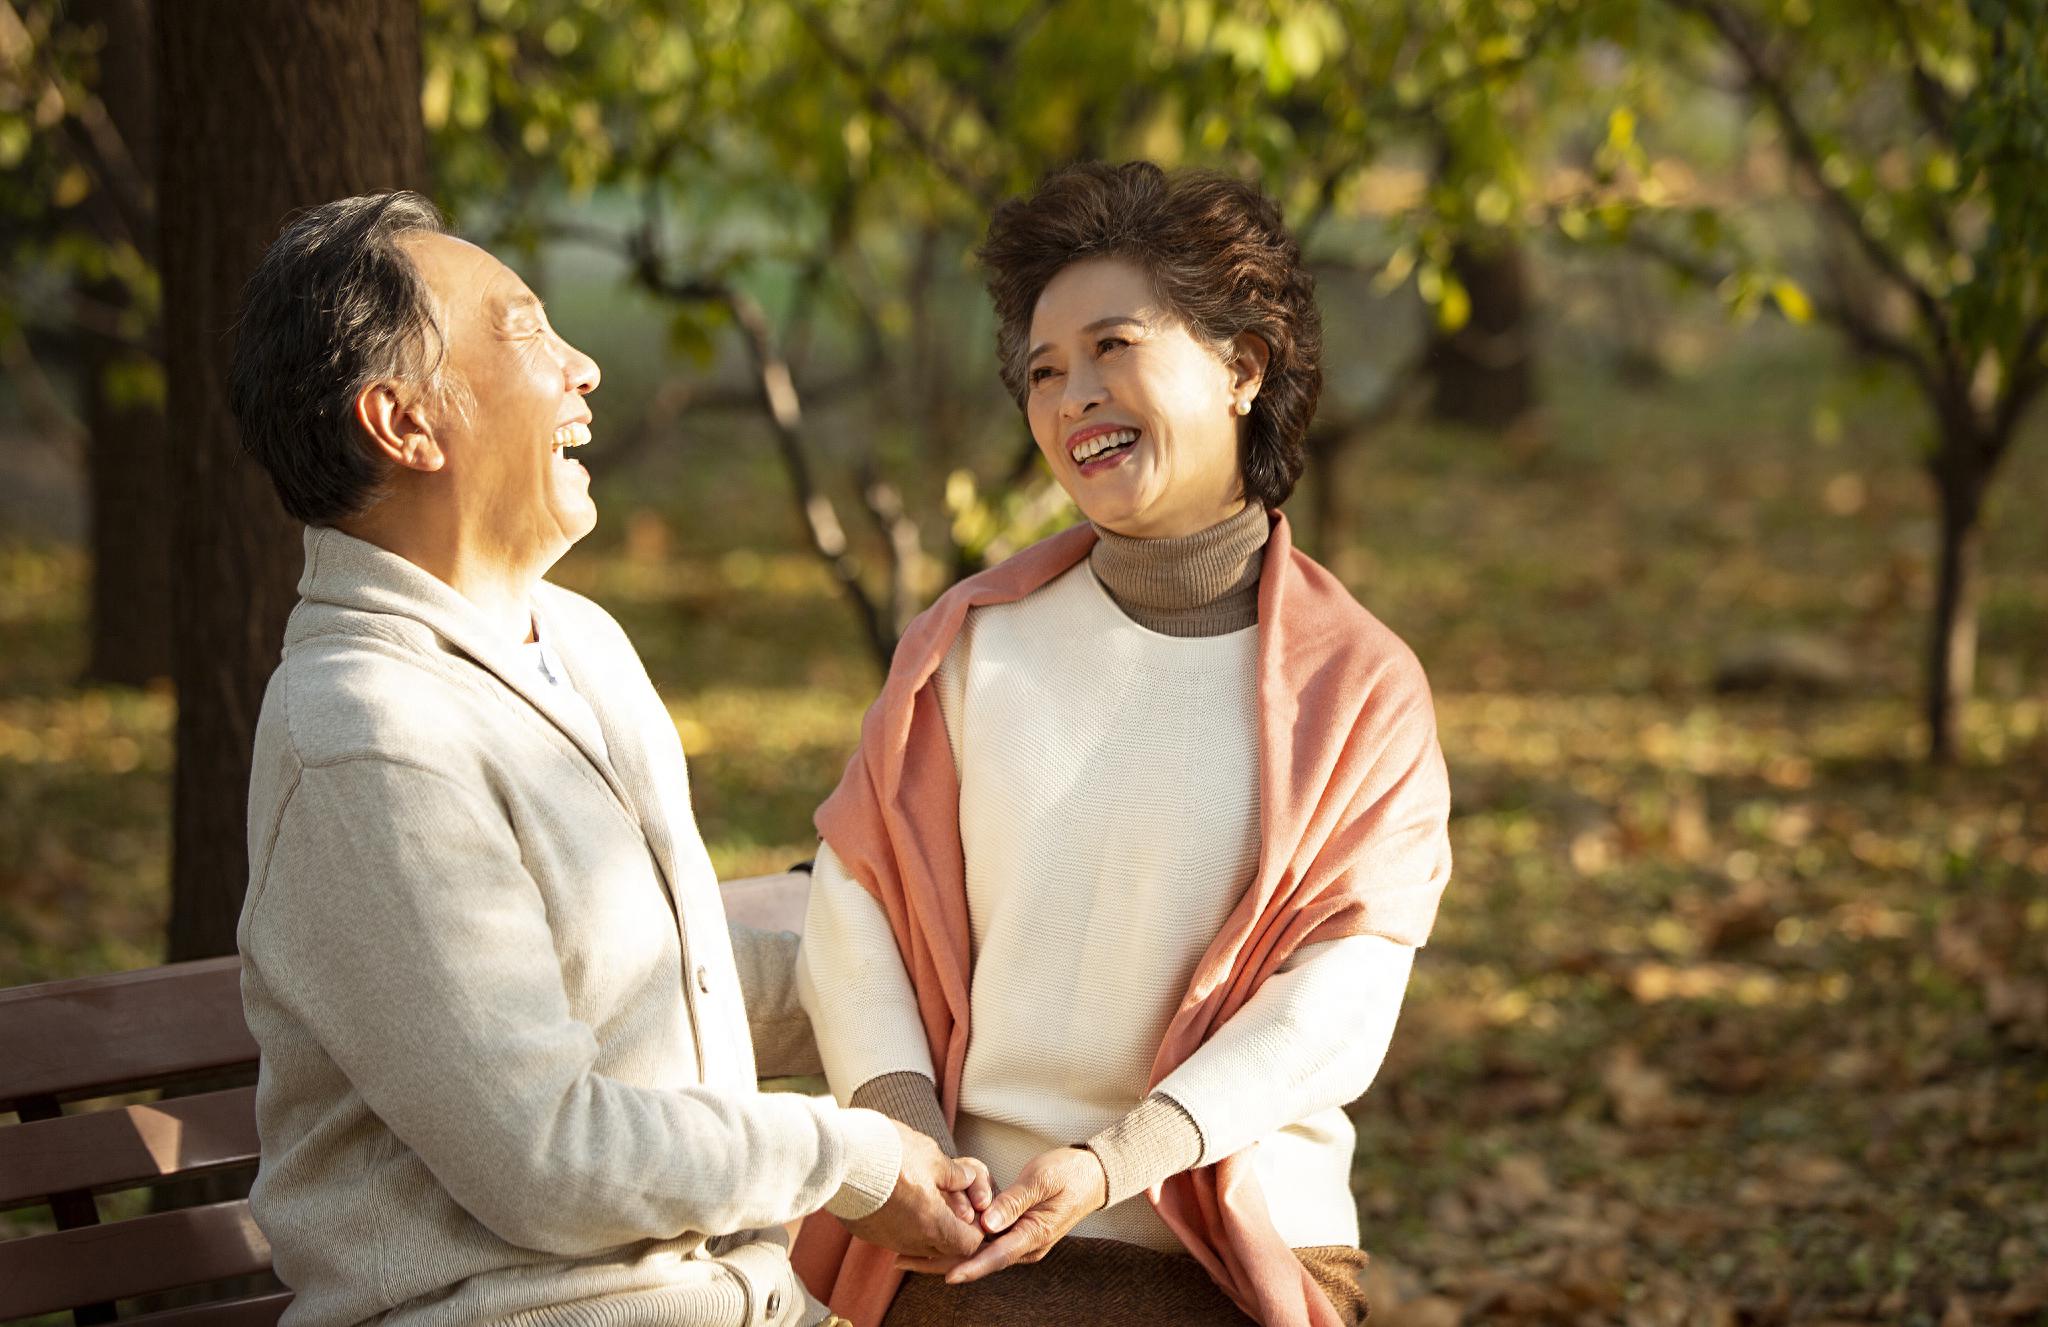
x,y
507,1071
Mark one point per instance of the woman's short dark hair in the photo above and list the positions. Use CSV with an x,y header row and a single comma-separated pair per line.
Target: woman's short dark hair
x,y
1219,256
335,306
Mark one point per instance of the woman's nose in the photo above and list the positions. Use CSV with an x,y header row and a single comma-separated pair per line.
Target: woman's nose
x,y
1085,390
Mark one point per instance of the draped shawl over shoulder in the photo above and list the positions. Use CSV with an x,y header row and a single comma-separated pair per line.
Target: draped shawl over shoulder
x,y
1353,805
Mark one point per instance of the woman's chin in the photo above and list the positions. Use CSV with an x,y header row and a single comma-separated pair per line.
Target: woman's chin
x,y
1112,506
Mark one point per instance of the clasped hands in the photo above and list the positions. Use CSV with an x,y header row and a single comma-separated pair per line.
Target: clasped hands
x,y
944,1217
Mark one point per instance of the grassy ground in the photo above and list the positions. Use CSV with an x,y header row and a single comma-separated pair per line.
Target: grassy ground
x,y
1734,1013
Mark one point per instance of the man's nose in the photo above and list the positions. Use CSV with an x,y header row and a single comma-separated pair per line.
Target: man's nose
x,y
581,371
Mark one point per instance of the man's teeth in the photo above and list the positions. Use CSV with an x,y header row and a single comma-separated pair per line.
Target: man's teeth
x,y
1091,448
571,435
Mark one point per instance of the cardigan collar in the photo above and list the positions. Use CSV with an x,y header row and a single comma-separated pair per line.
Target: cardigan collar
x,y
352,574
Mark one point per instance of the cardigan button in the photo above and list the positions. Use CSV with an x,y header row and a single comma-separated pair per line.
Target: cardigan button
x,y
704,979
774,1303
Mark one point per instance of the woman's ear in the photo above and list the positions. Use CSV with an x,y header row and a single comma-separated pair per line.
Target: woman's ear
x,y
398,429
1248,367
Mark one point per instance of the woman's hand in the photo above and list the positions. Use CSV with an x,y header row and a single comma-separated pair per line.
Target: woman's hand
x,y
1049,1199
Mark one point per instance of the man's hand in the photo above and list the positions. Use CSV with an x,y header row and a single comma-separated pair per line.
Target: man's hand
x,y
932,1213
1049,1199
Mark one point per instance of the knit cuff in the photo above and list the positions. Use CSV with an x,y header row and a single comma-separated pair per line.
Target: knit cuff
x,y
1157,1139
874,1157
909,1098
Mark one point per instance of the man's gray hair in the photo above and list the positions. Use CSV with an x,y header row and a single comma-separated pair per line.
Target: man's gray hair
x,y
335,306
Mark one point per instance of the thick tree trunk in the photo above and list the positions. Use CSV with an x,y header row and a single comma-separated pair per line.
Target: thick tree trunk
x,y
265,108
1952,646
1484,374
127,475
127,471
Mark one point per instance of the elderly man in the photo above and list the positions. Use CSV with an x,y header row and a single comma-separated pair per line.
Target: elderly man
x,y
509,1041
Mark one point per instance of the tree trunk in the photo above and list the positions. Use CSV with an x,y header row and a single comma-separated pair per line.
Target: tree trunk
x,y
265,108
127,471
1484,374
1952,652
1329,524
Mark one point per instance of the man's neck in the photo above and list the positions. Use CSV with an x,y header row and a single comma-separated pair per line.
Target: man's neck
x,y
501,590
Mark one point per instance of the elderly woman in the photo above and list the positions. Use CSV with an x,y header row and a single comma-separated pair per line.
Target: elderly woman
x,y
1121,891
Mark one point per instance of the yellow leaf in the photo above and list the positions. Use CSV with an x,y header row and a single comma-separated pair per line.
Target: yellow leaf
x,y
1621,128
1456,309
71,188
1792,300
437,94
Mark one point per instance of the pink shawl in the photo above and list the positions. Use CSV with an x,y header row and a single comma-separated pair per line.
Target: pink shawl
x,y
1353,808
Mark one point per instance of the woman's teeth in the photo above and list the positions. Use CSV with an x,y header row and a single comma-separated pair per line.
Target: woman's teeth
x,y
1088,449
570,435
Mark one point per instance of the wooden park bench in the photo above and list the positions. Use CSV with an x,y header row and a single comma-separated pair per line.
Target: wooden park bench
x,y
69,1043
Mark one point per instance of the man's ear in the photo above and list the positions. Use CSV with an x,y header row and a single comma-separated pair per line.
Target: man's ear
x,y
1248,369
397,427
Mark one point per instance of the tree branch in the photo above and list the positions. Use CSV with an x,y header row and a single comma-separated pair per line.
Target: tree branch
x,y
1859,327
58,428
977,191
1937,107
97,144
1767,83
884,506
2029,375
784,409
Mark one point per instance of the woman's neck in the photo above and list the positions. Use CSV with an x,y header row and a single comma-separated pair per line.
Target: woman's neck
x,y
1203,584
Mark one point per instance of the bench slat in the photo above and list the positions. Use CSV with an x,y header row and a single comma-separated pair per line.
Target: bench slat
x,y
44,1273
114,1149
258,1311
768,902
95,1035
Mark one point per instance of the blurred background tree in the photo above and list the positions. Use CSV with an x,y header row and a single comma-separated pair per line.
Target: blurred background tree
x,y
78,225
1915,132
797,187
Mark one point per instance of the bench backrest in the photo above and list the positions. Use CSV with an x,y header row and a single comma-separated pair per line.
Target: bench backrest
x,y
96,1037
86,1040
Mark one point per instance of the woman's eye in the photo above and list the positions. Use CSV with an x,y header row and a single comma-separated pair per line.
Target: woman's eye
x,y
1109,343
1040,374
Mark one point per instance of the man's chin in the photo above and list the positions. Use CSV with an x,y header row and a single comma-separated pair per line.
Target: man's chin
x,y
577,529
573,521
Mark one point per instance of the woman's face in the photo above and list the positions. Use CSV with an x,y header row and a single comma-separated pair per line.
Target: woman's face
x,y
1137,418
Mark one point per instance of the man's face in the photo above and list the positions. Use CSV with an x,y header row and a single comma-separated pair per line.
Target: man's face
x,y
519,492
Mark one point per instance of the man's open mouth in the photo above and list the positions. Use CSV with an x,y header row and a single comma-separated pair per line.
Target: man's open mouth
x,y
569,435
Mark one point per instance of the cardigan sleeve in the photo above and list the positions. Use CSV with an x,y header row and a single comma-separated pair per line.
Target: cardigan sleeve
x,y
396,920
852,982
1311,1038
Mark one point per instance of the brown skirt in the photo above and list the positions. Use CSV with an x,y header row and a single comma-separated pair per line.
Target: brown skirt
x,y
1108,1283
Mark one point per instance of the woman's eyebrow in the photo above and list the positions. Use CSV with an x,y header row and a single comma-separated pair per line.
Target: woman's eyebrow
x,y
1100,324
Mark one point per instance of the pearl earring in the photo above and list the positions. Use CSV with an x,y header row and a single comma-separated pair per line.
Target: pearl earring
x,y
1244,407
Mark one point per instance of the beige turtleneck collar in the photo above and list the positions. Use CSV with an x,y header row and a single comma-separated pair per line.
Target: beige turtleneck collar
x,y
1203,584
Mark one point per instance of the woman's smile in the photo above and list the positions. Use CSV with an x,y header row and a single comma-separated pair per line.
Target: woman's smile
x,y
1102,447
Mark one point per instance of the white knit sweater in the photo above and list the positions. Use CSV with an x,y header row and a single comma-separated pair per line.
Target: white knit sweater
x,y
1109,811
